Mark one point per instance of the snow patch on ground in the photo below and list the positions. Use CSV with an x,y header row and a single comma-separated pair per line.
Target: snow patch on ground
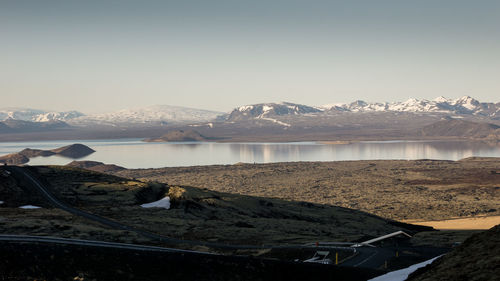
x,y
162,203
402,274
29,207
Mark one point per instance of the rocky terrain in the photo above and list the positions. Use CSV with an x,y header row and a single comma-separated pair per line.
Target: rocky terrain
x,y
401,190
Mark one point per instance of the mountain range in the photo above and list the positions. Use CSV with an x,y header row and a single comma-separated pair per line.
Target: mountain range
x,y
165,114
463,105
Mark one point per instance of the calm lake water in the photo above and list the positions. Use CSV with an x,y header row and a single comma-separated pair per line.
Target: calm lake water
x,y
133,153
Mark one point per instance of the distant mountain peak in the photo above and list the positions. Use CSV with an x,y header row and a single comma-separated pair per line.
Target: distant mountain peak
x,y
441,99
268,110
155,114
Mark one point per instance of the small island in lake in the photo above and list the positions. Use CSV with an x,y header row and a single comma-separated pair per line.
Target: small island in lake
x,y
71,151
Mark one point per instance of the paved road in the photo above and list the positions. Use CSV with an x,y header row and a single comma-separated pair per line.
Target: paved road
x,y
366,256
369,257
93,243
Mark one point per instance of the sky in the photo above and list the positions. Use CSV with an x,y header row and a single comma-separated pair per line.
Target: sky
x,y
100,55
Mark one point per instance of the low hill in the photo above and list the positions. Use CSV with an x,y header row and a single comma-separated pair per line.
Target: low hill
x,y
14,159
95,166
28,152
461,128
478,258
76,150
179,135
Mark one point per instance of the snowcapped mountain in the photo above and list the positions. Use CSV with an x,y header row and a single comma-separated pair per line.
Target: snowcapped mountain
x,y
267,110
157,114
463,105
36,115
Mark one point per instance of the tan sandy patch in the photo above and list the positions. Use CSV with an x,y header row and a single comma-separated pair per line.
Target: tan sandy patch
x,y
464,223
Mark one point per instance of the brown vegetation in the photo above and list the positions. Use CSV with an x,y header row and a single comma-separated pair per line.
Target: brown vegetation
x,y
197,214
401,190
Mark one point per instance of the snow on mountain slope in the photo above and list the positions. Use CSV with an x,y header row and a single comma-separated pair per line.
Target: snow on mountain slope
x,y
266,110
36,115
151,114
463,105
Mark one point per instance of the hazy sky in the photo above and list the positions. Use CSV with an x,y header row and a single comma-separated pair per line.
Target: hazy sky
x,y
98,55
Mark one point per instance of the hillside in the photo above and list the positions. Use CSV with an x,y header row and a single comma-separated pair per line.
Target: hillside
x,y
22,126
198,214
14,159
478,258
28,152
461,128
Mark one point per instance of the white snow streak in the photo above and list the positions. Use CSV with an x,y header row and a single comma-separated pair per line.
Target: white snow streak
x,y
162,203
402,274
29,207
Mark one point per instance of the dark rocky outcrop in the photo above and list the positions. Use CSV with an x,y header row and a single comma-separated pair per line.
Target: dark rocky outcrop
x,y
74,150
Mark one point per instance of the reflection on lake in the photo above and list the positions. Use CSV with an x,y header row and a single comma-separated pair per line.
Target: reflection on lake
x,y
133,153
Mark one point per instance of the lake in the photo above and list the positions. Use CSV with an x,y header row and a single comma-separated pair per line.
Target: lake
x,y
133,153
